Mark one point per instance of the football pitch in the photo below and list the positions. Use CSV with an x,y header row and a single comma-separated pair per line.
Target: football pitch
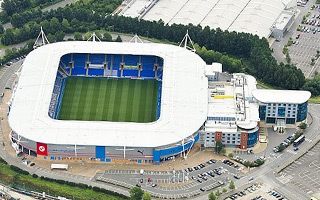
x,y
103,99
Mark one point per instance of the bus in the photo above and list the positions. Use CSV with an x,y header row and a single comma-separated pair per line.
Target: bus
x,y
298,141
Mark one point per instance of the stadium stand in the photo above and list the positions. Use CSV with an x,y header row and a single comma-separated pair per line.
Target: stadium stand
x,y
56,95
105,65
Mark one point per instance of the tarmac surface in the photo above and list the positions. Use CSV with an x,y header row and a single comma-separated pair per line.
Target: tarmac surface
x,y
267,173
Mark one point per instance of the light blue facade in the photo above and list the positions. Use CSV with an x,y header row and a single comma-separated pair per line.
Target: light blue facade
x,y
290,113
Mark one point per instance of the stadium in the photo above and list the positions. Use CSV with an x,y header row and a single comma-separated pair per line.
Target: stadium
x,y
136,102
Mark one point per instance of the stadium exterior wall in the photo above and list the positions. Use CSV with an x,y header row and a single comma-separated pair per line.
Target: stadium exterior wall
x,y
104,153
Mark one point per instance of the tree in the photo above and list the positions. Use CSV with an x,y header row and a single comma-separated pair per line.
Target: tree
x,y
1,29
107,37
54,25
231,185
136,193
59,36
118,39
146,196
303,125
219,147
212,196
78,36
218,193
224,190
230,155
65,25
51,37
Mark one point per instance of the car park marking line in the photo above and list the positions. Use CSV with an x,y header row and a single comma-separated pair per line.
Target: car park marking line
x,y
308,140
304,174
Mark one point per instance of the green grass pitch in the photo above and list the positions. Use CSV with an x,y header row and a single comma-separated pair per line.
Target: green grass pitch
x,y
103,99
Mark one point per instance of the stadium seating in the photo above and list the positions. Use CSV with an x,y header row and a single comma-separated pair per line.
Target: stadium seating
x,y
56,95
79,67
96,58
113,61
130,73
159,100
102,65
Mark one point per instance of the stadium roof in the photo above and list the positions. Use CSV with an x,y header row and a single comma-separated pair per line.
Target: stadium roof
x,y
183,103
281,96
251,16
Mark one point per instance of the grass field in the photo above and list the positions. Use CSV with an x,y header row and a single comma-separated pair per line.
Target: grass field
x,y
102,99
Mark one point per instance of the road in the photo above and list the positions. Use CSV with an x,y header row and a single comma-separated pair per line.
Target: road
x,y
265,173
8,25
60,4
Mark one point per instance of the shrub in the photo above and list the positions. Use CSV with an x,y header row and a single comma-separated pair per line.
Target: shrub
x,y
18,170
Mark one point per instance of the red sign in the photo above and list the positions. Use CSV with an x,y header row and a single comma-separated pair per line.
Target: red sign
x,y
42,149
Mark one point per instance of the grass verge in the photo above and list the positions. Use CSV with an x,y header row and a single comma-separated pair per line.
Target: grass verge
x,y
314,100
12,178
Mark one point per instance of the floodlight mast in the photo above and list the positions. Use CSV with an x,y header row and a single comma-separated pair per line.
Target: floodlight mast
x,y
185,41
94,37
136,39
41,39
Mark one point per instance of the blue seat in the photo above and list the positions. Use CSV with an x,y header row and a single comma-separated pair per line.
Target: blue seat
x,y
131,60
131,73
97,58
95,72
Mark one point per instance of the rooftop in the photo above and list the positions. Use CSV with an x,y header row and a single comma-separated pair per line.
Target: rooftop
x,y
231,104
183,103
281,96
251,16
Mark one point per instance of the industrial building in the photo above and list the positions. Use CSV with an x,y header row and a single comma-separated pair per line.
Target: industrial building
x,y
251,16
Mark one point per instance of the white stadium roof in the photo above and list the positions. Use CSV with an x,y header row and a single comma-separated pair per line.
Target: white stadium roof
x,y
281,96
183,103
251,16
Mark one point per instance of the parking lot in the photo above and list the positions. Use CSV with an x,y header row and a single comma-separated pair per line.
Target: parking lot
x,y
201,178
304,173
257,191
306,43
